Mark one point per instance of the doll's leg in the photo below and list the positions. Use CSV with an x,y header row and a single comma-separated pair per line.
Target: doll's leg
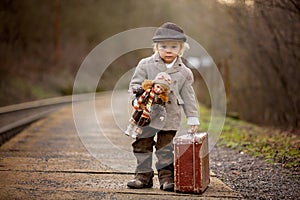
x,y
137,131
131,127
133,124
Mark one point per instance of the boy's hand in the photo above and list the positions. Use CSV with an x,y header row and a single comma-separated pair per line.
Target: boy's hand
x,y
194,128
142,106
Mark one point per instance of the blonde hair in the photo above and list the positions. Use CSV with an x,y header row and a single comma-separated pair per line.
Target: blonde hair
x,y
183,47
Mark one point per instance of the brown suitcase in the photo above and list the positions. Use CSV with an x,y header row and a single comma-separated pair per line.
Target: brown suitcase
x,y
191,163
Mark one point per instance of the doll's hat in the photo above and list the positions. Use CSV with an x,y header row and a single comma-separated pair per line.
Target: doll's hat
x,y
164,79
169,31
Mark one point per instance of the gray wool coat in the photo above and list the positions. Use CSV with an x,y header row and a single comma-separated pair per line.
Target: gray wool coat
x,y
181,94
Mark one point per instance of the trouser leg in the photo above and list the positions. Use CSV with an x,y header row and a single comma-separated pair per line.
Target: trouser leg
x,y
165,156
143,150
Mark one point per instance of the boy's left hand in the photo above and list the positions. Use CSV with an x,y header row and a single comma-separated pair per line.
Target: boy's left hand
x,y
194,128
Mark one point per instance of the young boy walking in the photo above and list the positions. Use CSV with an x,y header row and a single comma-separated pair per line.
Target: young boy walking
x,y
169,45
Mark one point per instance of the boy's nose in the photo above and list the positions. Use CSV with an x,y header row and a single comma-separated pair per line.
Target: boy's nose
x,y
168,50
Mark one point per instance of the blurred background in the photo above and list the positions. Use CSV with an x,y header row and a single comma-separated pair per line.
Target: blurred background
x,y
254,43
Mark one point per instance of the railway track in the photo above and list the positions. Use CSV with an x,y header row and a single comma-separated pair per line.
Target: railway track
x,y
15,118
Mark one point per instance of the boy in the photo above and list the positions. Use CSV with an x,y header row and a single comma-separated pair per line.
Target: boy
x,y
169,45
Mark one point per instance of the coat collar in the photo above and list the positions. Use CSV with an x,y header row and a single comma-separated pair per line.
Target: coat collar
x,y
177,65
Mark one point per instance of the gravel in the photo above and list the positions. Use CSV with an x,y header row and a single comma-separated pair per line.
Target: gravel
x,y
253,177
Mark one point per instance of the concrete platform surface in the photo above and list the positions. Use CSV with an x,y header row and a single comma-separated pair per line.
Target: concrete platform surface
x,y
80,152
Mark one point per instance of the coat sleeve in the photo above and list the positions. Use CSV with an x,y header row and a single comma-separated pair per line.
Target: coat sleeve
x,y
140,74
190,105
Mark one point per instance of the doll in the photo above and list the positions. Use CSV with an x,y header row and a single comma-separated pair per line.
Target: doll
x,y
151,92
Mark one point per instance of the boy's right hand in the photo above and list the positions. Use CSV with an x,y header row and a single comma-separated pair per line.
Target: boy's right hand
x,y
138,91
193,129
142,106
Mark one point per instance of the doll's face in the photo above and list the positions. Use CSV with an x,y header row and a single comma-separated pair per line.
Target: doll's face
x,y
168,50
157,89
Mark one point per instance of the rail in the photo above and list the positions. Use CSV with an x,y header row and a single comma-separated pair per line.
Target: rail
x,y
14,118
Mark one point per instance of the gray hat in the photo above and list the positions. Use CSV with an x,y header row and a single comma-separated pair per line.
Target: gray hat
x,y
169,31
163,78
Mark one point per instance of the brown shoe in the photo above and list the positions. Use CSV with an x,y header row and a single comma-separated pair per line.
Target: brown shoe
x,y
137,184
141,180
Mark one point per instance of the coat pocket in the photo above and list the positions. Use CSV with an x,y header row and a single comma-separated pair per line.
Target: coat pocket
x,y
177,97
158,116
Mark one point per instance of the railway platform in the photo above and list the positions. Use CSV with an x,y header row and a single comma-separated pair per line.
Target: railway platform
x,y
58,158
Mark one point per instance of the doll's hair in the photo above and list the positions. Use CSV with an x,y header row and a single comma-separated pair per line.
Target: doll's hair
x,y
148,84
184,46
164,95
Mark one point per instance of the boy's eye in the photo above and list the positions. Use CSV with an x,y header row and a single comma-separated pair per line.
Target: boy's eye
x,y
174,47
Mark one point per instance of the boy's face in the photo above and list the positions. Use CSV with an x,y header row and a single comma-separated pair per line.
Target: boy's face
x,y
168,50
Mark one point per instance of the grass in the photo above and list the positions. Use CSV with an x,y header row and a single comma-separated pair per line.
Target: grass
x,y
274,145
